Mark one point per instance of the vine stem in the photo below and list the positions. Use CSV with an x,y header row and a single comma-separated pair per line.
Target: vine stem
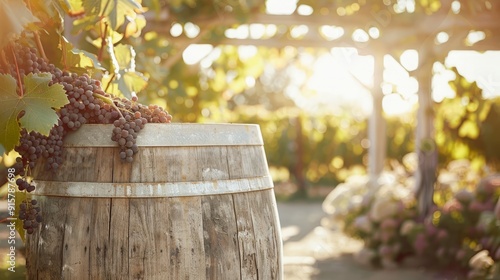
x,y
103,42
21,90
39,45
110,80
108,101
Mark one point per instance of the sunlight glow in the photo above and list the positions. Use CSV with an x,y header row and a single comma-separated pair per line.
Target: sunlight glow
x,y
299,31
455,6
195,53
271,30
359,35
440,83
257,30
394,104
409,60
474,37
374,32
192,30
241,32
331,32
246,52
478,67
176,30
305,10
442,37
280,7
339,80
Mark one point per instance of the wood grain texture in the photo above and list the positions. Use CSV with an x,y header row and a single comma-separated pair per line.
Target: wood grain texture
x,y
221,238
227,236
185,239
246,236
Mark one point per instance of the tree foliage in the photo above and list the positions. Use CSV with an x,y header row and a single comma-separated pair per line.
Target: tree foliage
x,y
467,125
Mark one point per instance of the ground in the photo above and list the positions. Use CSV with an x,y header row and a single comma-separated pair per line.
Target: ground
x,y
314,251
311,250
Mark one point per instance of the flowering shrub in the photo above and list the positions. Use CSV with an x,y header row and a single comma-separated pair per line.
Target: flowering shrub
x,y
463,231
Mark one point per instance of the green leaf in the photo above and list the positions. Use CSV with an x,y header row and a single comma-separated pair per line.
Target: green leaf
x,y
9,128
469,129
14,17
127,80
135,26
78,61
125,57
38,102
131,82
73,7
114,10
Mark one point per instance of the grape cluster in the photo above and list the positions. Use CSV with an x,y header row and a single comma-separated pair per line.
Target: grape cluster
x,y
88,104
29,213
22,185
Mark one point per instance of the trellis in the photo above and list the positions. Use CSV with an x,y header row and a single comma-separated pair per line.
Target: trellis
x,y
397,33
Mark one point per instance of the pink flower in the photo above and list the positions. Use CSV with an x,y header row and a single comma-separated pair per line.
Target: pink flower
x,y
489,184
386,236
442,234
430,229
388,224
452,205
497,209
385,250
476,206
407,227
497,254
460,255
420,244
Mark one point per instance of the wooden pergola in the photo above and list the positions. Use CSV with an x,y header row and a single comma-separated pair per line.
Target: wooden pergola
x,y
397,32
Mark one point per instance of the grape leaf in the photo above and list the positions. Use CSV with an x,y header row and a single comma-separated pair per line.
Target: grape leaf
x,y
135,26
131,82
77,61
38,103
114,10
14,17
127,80
74,7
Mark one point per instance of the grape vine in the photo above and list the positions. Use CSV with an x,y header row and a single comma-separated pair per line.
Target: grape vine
x,y
87,104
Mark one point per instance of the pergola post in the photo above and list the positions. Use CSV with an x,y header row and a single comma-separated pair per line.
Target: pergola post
x,y
377,124
425,147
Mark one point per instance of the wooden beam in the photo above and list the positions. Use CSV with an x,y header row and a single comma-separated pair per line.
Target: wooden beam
x,y
383,19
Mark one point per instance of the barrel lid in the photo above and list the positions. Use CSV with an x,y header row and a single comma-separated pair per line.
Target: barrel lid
x,y
172,134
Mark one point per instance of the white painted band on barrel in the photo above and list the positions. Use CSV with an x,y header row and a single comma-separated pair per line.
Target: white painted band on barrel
x,y
170,135
138,190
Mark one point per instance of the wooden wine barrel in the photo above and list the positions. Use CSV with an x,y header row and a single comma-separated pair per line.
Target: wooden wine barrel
x,y
196,203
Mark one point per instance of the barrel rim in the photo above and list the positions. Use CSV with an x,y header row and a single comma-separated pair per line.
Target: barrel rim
x,y
171,135
147,189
